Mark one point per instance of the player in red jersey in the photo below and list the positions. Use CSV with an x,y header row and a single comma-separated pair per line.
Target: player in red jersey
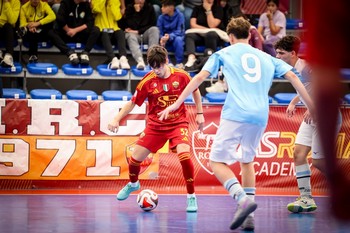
x,y
162,86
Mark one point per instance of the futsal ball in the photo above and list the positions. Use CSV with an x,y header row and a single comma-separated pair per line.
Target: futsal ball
x,y
147,200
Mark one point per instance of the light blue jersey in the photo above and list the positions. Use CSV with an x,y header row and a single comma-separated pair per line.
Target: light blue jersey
x,y
249,73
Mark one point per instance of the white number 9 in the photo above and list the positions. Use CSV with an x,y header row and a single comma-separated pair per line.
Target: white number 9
x,y
253,73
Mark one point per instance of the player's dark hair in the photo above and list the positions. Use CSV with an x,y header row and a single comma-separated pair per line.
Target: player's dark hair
x,y
168,2
288,43
277,2
239,27
156,56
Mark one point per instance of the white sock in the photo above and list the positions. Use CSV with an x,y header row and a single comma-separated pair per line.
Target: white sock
x,y
191,195
235,189
303,175
134,184
250,191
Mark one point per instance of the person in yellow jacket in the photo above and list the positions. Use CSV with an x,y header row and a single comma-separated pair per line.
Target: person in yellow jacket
x,y
36,19
107,13
9,11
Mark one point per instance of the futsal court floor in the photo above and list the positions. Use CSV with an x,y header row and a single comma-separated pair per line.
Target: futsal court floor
x,y
20,213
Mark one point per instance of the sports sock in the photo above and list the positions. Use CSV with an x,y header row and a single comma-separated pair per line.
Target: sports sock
x,y
303,174
134,169
250,191
235,189
187,170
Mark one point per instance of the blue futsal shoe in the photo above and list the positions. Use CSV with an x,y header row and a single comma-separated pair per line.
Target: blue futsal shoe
x,y
125,192
191,204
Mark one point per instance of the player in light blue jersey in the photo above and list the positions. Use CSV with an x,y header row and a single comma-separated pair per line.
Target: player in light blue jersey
x,y
307,138
249,73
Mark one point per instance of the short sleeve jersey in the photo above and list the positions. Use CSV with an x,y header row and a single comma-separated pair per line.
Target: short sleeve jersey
x,y
160,94
249,73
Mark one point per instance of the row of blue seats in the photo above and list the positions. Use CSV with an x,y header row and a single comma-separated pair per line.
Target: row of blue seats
x,y
280,98
16,93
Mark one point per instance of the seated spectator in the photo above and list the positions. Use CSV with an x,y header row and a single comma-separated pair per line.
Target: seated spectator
x,y
75,24
187,8
54,4
8,17
140,27
157,5
272,26
107,13
36,20
171,25
207,16
255,40
231,8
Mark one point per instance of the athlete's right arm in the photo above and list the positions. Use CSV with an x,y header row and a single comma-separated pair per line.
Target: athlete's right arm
x,y
291,107
113,126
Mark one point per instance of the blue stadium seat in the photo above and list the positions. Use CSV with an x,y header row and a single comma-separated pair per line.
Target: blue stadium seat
x,y
45,94
42,68
345,73
284,98
216,97
189,99
347,98
116,95
138,74
69,69
41,45
16,69
270,100
103,70
81,95
76,45
294,24
13,93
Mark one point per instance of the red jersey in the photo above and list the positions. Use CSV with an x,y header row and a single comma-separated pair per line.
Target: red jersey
x,y
161,93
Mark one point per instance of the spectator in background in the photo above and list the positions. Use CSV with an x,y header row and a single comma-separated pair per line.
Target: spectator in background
x,y
140,27
36,20
171,25
9,12
54,4
231,8
107,13
187,8
272,26
206,16
75,23
255,41
157,5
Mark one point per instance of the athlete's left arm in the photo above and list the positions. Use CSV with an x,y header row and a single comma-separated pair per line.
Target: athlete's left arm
x,y
199,115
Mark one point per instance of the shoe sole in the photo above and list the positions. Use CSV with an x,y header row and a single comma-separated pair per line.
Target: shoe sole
x,y
122,199
244,214
300,209
191,211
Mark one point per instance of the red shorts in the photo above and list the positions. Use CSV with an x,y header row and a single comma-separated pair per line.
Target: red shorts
x,y
153,140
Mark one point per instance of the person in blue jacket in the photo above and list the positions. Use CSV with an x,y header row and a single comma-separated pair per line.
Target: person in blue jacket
x,y
171,26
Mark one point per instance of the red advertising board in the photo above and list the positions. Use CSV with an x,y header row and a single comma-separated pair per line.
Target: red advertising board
x,y
67,141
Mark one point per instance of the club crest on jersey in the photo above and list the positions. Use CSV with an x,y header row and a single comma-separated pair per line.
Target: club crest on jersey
x,y
165,87
201,144
176,84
